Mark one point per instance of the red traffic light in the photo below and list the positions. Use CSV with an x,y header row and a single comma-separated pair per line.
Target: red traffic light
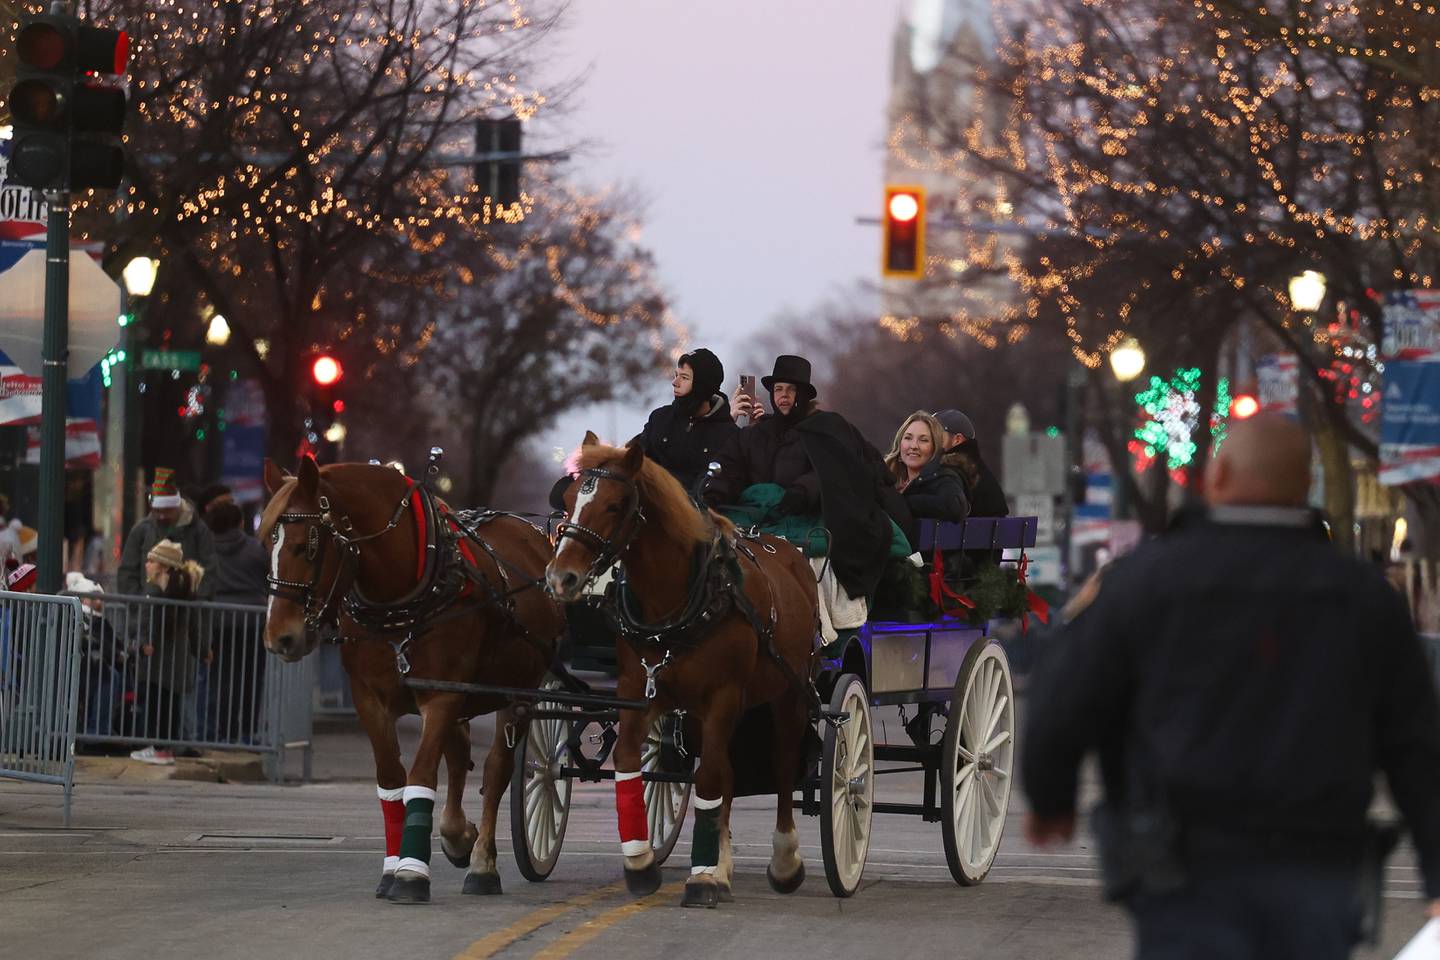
x,y
326,371
41,45
1244,406
904,239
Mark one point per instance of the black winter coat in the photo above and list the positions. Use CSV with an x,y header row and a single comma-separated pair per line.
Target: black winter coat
x,y
937,493
684,445
1246,671
243,567
986,497
830,469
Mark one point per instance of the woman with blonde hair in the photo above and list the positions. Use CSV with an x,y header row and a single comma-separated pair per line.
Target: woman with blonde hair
x,y
932,490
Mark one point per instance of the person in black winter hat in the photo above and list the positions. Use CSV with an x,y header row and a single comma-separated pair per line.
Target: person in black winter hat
x,y
686,434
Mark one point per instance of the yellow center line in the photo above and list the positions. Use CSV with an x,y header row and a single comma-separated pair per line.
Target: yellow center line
x,y
592,928
492,944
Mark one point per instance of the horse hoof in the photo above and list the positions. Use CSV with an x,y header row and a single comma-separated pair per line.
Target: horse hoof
x,y
642,883
701,895
383,890
786,886
462,862
725,895
482,884
409,890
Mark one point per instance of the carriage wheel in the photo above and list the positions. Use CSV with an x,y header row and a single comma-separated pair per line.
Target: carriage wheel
x,y
665,803
847,788
539,794
977,760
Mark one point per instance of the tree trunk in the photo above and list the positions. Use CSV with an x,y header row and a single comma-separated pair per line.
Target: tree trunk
x,y
1338,476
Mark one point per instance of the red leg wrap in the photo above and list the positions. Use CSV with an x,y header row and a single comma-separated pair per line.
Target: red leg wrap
x,y
394,811
630,805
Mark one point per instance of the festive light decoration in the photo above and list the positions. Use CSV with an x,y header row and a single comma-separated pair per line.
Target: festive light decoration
x,y
1172,410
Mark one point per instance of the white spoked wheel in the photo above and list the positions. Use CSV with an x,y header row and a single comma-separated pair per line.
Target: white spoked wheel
x,y
977,762
665,803
847,788
540,794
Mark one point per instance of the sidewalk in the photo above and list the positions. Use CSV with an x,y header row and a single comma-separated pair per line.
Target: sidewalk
x,y
341,753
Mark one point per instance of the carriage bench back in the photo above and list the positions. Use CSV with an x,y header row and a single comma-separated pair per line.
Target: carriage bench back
x,y
978,533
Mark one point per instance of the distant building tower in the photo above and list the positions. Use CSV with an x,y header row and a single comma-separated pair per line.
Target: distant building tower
x,y
934,100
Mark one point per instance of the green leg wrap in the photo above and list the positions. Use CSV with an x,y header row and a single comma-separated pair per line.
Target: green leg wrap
x,y
415,838
705,845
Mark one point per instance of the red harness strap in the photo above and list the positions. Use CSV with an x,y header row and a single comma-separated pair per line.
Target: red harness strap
x,y
417,507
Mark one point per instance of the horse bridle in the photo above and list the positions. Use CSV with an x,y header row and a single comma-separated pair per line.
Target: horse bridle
x,y
607,550
341,531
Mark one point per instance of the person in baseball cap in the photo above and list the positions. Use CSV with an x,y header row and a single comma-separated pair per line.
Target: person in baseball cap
x,y
962,454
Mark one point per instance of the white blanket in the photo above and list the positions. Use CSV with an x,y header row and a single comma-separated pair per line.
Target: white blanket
x,y
838,610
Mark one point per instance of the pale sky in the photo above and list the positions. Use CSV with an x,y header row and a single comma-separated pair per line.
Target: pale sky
x,y
754,129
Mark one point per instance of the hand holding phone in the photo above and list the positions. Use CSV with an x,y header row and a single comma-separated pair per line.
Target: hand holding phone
x,y
745,402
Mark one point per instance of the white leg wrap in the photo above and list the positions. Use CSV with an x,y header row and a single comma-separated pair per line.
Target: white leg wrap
x,y
411,865
419,793
391,864
396,794
622,777
785,844
634,848
702,804
706,871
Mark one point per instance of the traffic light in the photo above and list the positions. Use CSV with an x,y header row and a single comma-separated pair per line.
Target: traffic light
x,y
1244,406
67,122
904,232
326,370
498,179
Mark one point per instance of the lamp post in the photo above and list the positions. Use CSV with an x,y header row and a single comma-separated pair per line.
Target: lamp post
x,y
1127,361
1307,291
139,277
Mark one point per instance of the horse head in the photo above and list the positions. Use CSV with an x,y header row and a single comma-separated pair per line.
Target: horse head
x,y
304,567
604,516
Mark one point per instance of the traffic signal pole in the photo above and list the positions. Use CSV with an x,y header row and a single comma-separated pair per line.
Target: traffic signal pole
x,y
55,354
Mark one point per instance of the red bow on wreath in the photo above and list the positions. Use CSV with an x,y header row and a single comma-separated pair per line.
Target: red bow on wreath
x,y
1037,603
940,590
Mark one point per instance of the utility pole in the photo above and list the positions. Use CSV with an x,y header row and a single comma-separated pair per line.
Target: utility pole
x,y
55,359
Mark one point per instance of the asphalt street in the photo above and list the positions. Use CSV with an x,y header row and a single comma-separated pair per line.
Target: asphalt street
x,y
217,871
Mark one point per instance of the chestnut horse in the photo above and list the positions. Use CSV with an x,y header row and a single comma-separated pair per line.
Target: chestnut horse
x,y
452,606
710,623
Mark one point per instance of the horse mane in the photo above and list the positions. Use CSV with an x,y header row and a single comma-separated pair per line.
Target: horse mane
x,y
665,501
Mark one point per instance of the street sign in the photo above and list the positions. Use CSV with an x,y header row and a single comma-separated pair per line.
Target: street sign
x,y
1042,507
170,359
1033,463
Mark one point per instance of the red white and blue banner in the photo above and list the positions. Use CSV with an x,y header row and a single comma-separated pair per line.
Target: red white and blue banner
x,y
1410,392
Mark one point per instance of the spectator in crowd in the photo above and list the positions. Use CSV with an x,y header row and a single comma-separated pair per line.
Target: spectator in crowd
x,y
173,647
962,454
171,518
237,674
206,497
1242,682
932,490
105,658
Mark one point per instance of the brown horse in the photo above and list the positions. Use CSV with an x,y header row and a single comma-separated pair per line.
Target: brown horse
x,y
710,624
364,546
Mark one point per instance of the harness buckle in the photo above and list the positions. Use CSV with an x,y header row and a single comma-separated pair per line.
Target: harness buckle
x,y
510,736
650,674
402,662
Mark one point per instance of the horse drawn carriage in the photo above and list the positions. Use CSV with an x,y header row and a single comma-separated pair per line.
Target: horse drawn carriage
x,y
471,633
950,680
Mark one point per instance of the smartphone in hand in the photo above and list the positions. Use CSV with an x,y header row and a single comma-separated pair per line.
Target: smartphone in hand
x,y
747,389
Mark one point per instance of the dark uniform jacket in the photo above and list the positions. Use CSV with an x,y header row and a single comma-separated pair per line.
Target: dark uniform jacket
x,y
826,468
937,493
1252,677
983,491
685,445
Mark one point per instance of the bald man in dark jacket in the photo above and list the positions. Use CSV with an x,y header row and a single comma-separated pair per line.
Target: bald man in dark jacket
x,y
1242,681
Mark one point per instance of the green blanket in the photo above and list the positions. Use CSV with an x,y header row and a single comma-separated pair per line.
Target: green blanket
x,y
805,530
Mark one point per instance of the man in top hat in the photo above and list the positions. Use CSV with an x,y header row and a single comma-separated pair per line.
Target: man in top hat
x,y
171,517
825,467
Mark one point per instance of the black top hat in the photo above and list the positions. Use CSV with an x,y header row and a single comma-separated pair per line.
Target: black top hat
x,y
790,369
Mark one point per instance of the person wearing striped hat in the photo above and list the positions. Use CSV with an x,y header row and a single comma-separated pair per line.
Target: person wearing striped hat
x,y
173,518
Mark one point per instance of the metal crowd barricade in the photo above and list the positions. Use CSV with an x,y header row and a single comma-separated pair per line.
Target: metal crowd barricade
x,y
190,675
40,654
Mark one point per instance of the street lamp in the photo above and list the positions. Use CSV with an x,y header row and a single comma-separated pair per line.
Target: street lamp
x,y
218,333
1307,291
1127,360
139,277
